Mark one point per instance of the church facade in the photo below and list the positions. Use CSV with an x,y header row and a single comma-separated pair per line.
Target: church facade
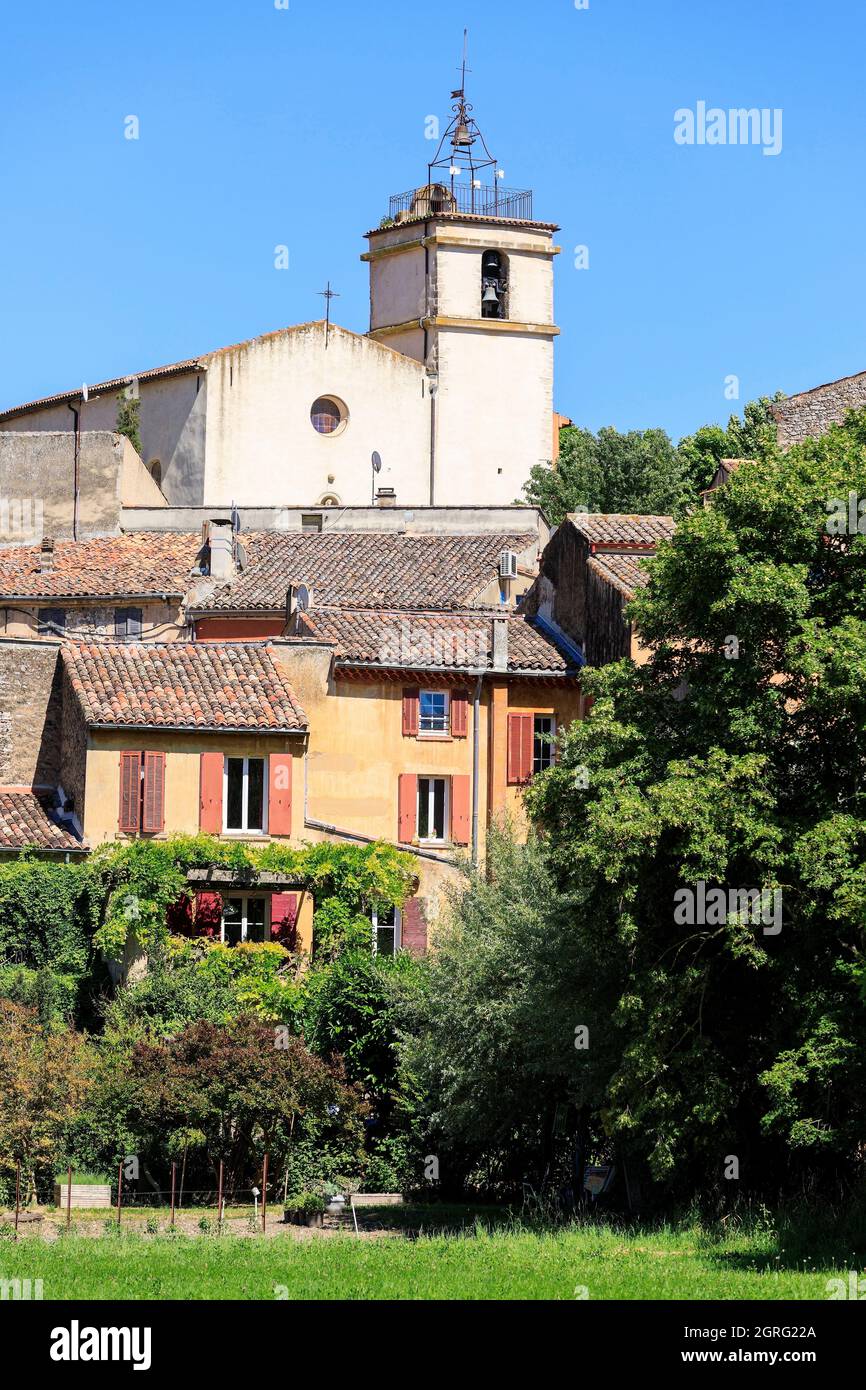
x,y
450,390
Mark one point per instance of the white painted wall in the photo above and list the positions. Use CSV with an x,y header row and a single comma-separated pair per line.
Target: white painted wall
x,y
494,404
262,449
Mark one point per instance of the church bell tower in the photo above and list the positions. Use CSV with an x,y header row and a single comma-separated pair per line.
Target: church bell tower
x,y
461,279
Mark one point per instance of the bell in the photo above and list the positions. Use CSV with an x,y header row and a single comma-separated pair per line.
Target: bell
x,y
462,136
490,296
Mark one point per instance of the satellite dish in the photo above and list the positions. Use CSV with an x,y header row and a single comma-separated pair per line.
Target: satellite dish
x,y
302,598
377,462
85,394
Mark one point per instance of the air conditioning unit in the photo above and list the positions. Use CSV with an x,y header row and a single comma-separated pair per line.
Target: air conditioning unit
x,y
508,564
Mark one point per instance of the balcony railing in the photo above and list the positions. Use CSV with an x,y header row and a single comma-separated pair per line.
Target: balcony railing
x,y
437,198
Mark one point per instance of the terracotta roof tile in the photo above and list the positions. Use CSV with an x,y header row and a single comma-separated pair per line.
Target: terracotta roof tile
x,y
623,531
28,820
624,572
143,565
460,641
366,569
178,685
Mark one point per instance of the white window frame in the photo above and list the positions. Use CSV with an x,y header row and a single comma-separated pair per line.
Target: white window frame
x,y
445,731
245,828
551,747
246,898
398,930
431,802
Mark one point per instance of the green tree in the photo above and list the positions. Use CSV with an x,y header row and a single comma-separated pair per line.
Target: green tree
x,y
243,1089
128,420
610,472
44,1078
750,438
734,758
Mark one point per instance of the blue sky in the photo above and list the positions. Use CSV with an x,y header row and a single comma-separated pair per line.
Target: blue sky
x,y
262,126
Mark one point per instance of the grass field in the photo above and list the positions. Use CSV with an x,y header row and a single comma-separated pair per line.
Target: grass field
x,y
605,1262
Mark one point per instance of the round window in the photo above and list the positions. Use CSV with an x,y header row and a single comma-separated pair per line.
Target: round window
x,y
328,415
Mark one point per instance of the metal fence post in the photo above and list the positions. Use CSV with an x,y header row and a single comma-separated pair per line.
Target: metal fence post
x,y
173,1183
265,1195
119,1189
17,1194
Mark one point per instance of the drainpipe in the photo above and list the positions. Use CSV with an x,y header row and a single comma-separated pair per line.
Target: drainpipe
x,y
476,766
76,411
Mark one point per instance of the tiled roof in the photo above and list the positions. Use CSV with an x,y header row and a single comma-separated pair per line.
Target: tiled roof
x,y
28,820
179,685
114,384
472,217
624,572
189,364
143,565
367,569
459,641
622,531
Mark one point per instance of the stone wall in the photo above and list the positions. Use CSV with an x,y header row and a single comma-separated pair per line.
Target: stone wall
x,y
37,473
811,413
31,707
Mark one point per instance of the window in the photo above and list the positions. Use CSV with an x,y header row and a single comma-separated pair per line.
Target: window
x,y
50,620
244,795
543,751
386,931
329,415
155,468
243,919
142,792
127,622
432,809
434,712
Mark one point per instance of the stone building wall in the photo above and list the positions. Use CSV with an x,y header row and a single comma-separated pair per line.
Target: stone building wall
x,y
811,413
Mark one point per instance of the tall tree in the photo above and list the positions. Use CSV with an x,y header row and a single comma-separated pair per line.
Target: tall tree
x,y
610,472
725,1040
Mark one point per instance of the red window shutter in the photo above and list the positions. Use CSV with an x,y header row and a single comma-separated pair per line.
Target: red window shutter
x,y
208,913
407,802
460,810
211,800
411,702
178,917
284,916
153,815
520,731
280,794
130,792
414,934
459,714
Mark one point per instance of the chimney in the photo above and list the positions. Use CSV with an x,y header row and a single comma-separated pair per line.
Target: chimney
x,y
500,644
46,555
220,536
386,497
